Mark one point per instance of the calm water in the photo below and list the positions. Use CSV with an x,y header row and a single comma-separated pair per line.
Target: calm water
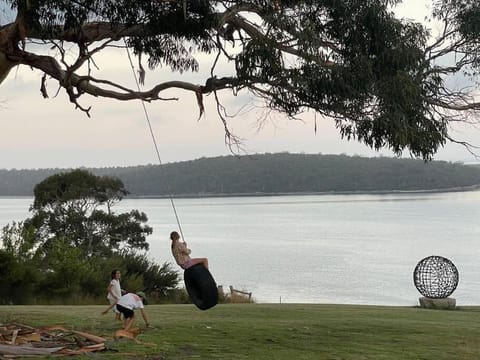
x,y
351,249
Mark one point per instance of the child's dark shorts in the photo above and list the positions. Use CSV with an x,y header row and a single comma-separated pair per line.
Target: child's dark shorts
x,y
127,313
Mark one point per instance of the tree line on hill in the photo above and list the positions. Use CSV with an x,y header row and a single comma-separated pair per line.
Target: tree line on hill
x,y
269,174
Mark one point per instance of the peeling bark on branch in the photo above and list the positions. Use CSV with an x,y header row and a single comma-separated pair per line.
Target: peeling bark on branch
x,y
9,37
86,84
91,32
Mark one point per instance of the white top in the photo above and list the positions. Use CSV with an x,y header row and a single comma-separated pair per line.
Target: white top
x,y
131,301
115,290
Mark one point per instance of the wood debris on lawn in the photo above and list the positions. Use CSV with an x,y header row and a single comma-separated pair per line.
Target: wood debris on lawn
x,y
23,340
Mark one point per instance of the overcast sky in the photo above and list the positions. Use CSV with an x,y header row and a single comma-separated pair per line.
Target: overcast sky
x,y
50,133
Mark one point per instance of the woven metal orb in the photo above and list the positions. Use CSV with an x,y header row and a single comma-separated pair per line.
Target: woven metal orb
x,y
435,277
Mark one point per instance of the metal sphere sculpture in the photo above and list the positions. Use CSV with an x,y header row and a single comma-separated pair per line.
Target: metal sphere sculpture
x,y
435,277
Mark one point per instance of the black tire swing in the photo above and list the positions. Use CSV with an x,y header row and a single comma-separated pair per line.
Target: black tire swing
x,y
201,287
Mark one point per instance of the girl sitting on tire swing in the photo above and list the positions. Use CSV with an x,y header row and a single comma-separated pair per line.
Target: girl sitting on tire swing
x,y
181,253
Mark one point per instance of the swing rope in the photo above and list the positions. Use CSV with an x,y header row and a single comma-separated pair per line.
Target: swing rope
x,y
147,117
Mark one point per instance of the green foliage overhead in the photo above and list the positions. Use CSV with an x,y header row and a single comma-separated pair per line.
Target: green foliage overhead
x,y
383,80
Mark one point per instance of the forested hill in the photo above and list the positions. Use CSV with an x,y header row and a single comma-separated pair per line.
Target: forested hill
x,y
268,174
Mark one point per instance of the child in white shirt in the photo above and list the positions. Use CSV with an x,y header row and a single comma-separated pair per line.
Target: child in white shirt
x,y
114,291
127,304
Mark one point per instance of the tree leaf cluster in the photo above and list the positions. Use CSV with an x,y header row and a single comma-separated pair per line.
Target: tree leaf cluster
x,y
76,205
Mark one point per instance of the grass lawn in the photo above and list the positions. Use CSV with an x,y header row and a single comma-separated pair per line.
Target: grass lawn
x,y
267,331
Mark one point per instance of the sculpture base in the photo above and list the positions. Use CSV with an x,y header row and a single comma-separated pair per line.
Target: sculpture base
x,y
439,304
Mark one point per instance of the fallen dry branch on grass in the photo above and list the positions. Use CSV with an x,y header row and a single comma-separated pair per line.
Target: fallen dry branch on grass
x,y
18,340
131,335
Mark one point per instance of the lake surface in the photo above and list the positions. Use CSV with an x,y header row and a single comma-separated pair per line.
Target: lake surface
x,y
345,249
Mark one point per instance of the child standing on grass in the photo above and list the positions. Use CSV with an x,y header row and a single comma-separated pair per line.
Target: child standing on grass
x,y
181,253
115,291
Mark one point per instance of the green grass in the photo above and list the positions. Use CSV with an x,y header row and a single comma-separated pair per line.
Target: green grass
x,y
265,331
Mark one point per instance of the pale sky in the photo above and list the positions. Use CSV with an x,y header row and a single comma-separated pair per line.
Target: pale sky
x,y
50,133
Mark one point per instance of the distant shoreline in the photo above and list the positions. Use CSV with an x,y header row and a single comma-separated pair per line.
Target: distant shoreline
x,y
307,193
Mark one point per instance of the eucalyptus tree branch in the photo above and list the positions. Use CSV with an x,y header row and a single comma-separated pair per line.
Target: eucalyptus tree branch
x,y
86,84
456,106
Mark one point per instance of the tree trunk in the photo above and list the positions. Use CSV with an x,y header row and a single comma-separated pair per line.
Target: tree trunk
x,y
8,41
5,67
